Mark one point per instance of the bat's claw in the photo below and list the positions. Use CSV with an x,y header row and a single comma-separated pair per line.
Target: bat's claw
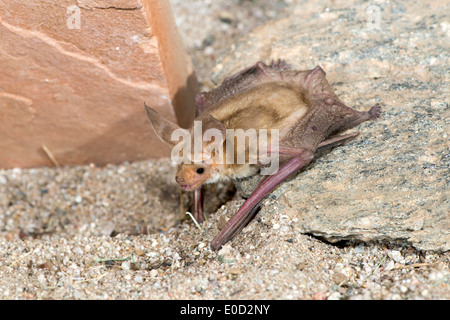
x,y
375,112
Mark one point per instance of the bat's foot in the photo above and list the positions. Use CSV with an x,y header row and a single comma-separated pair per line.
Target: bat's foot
x,y
375,112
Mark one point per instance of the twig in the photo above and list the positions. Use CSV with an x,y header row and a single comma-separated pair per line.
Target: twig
x,y
18,259
383,259
50,155
116,259
441,280
195,221
93,279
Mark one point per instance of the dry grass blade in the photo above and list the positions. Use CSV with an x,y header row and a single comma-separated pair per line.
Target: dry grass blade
x,y
50,155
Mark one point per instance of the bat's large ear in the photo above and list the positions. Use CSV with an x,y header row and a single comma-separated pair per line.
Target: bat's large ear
x,y
214,133
209,122
163,127
316,83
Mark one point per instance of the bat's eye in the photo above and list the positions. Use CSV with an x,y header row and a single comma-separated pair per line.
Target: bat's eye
x,y
200,170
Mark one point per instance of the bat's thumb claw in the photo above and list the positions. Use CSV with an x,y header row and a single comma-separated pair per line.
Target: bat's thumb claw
x,y
375,112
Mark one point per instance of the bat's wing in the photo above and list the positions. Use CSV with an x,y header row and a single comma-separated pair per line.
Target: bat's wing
x,y
240,82
326,116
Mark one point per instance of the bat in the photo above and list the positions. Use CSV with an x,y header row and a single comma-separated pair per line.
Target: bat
x,y
295,111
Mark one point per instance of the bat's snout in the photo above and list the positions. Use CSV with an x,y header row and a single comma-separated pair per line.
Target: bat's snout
x,y
179,180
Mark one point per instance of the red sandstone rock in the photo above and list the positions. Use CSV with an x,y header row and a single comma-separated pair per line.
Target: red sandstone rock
x,y
75,78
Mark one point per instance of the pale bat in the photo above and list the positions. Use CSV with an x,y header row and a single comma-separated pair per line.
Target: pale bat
x,y
301,105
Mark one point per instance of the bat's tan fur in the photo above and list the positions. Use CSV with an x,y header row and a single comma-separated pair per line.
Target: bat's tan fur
x,y
272,105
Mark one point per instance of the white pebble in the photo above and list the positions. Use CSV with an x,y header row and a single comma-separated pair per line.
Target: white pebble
x,y
126,265
41,278
77,250
396,255
389,266
201,245
77,294
334,296
209,50
153,273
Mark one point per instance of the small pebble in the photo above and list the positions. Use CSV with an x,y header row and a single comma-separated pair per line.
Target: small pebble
x,y
153,273
334,296
202,245
77,250
339,278
396,255
77,294
126,265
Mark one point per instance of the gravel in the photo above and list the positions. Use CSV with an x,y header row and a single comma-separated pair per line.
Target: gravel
x,y
55,247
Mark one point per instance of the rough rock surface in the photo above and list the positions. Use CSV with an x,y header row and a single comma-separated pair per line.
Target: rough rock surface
x,y
392,182
74,76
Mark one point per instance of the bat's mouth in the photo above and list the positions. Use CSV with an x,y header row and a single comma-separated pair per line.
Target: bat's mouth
x,y
189,187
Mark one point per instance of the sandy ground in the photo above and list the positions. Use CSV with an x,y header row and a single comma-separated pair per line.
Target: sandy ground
x,y
115,232
58,243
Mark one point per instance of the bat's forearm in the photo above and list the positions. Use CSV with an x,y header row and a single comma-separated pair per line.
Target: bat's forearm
x,y
246,212
198,205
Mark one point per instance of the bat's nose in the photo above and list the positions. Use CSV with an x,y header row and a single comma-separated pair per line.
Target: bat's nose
x,y
179,180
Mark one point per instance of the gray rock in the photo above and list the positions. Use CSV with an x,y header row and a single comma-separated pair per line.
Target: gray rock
x,y
392,182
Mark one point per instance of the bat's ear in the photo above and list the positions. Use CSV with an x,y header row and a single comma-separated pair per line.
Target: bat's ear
x,y
316,83
214,133
163,127
212,124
